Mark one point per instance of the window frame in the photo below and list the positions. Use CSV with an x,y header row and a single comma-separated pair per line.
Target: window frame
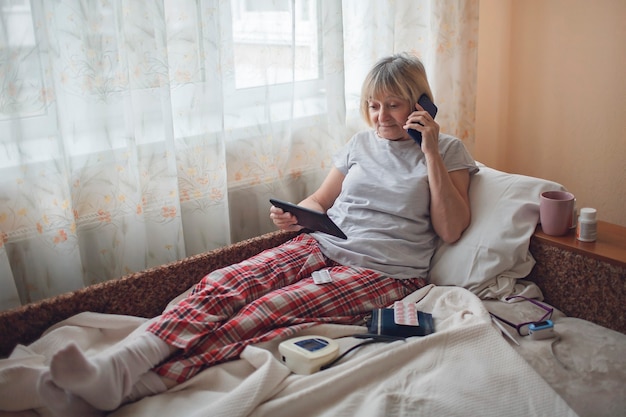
x,y
236,98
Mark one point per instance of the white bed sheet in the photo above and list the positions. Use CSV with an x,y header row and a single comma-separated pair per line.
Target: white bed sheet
x,y
585,364
465,368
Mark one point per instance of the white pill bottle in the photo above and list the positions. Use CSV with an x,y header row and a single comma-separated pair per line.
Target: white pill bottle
x,y
587,228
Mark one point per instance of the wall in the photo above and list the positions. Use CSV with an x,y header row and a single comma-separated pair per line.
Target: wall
x,y
551,99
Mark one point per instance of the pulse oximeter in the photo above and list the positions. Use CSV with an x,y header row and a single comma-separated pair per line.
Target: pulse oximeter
x,y
307,354
541,330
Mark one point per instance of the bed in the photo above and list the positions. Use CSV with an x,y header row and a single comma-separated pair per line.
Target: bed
x,y
471,365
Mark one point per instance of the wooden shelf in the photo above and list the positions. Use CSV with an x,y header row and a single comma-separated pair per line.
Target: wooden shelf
x,y
610,246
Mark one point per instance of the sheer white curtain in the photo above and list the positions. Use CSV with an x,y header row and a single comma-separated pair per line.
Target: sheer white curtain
x,y
137,132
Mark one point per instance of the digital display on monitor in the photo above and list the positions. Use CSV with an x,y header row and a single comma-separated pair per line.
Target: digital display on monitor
x,y
312,344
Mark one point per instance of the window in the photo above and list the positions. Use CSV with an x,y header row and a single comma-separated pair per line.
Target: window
x,y
267,37
263,35
96,63
20,69
253,43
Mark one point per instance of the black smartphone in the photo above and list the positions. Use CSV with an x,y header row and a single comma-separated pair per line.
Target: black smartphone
x,y
430,107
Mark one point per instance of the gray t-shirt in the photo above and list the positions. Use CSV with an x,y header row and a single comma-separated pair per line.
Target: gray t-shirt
x,y
384,204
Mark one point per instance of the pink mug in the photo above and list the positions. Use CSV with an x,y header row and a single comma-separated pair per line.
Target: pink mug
x,y
556,211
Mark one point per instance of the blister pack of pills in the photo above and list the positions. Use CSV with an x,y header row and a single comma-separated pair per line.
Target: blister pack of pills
x,y
322,276
405,314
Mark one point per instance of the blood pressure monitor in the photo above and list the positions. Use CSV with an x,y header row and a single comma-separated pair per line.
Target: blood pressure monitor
x,y
307,354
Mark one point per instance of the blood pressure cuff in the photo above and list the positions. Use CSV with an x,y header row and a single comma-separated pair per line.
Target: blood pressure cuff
x,y
383,324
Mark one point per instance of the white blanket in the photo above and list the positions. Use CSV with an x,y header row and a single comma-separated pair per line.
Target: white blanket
x,y
464,368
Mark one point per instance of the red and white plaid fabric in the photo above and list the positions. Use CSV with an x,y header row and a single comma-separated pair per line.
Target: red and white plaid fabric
x,y
268,295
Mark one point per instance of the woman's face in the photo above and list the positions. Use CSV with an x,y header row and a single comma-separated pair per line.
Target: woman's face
x,y
388,115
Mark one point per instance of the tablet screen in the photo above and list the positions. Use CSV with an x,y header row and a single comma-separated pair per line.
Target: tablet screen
x,y
310,219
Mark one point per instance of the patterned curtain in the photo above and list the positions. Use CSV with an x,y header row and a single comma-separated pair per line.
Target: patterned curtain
x,y
137,132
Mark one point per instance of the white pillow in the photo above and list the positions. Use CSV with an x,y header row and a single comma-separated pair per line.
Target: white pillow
x,y
493,252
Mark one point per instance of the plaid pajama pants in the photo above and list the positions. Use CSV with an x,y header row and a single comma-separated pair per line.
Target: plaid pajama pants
x,y
268,295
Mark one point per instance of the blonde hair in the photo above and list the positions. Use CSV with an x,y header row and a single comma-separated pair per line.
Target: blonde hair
x,y
401,74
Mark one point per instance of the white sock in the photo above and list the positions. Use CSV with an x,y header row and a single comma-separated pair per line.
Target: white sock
x,y
61,403
106,379
149,384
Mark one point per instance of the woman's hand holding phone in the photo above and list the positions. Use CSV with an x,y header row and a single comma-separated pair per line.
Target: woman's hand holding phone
x,y
423,104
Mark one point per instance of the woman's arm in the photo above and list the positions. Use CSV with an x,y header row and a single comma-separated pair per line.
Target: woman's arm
x,y
449,201
324,197
449,191
321,200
